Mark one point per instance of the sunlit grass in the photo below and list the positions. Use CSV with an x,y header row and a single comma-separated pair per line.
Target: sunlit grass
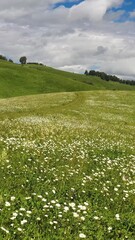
x,y
67,166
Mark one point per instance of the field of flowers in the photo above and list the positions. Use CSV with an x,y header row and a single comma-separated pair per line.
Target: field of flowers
x,y
67,166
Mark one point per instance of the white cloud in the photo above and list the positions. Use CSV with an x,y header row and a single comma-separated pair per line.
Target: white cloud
x,y
93,9
73,39
132,14
123,67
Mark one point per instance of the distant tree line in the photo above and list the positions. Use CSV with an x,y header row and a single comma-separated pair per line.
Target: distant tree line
x,y
22,60
104,76
5,59
107,77
36,63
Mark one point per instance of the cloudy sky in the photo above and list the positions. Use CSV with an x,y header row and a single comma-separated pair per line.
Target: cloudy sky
x,y
71,35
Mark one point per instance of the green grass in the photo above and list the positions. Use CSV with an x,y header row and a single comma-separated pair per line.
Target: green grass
x,y
67,165
16,80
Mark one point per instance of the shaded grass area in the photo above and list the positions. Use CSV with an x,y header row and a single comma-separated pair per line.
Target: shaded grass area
x,y
67,166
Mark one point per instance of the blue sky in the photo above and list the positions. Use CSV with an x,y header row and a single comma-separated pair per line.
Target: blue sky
x,y
128,6
68,4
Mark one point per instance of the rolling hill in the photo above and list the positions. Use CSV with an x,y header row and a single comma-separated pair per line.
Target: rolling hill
x,y
66,157
16,80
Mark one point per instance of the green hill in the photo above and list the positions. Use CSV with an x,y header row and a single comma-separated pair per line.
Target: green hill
x,y
66,158
16,80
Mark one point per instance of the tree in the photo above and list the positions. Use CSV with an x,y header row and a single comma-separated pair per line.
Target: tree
x,y
23,60
3,58
10,60
86,72
92,73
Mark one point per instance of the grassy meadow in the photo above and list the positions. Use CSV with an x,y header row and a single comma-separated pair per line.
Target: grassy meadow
x,y
16,80
67,165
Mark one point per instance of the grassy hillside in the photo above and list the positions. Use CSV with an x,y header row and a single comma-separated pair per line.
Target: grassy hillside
x,y
16,80
67,166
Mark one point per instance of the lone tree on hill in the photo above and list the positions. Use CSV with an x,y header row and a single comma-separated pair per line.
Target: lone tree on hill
x,y
23,60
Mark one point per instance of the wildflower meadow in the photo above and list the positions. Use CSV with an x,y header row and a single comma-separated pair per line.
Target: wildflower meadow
x,y
67,166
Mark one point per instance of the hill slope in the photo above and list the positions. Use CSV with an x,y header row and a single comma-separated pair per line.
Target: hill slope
x,y
16,80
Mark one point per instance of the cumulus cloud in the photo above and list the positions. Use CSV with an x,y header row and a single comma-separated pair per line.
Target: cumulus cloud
x,y
74,39
93,9
132,14
123,68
